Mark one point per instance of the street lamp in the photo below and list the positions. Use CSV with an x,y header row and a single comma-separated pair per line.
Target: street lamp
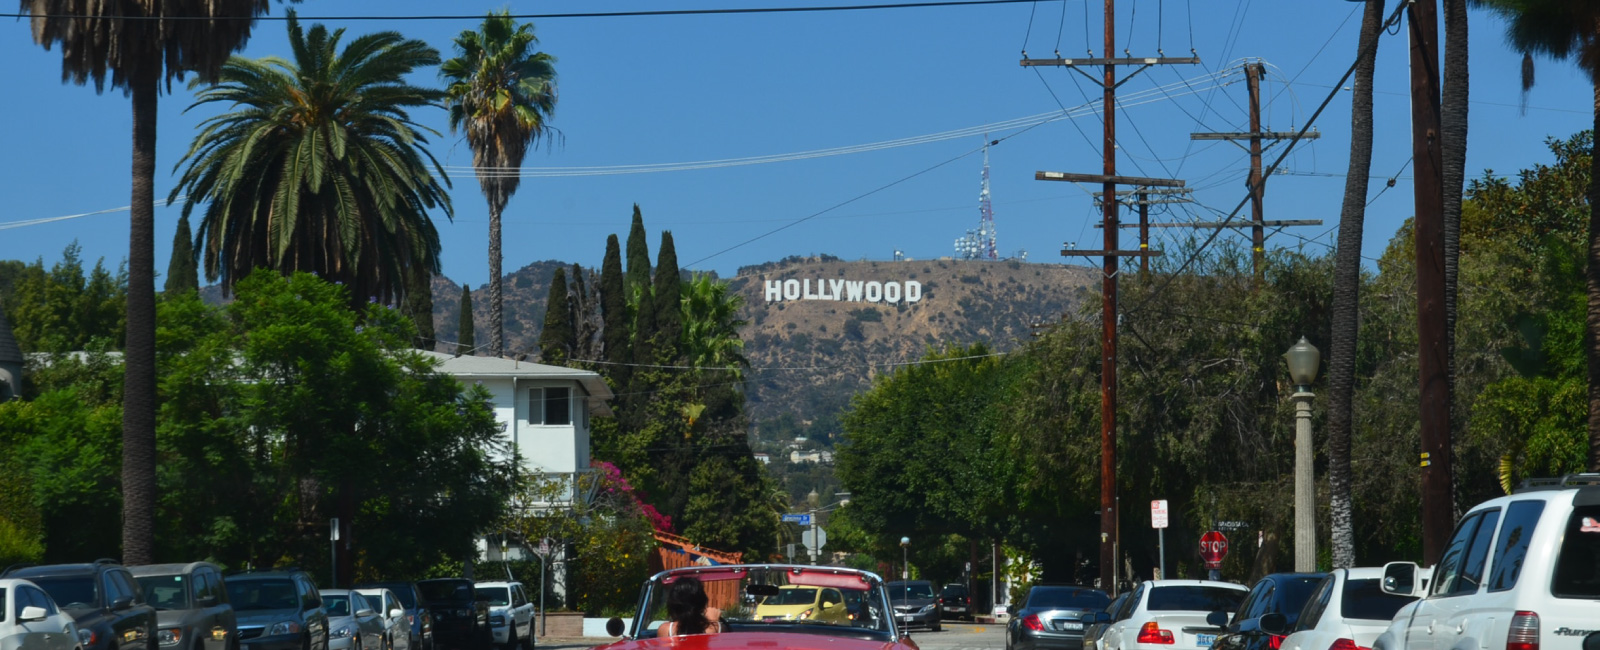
x,y
1304,359
905,562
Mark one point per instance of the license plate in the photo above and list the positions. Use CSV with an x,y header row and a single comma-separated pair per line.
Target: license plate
x,y
1070,625
906,619
1206,639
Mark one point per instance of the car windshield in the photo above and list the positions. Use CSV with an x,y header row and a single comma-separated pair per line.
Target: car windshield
x,y
337,605
1067,597
1365,600
498,596
804,599
165,592
247,595
909,591
953,592
446,590
402,592
1194,598
70,592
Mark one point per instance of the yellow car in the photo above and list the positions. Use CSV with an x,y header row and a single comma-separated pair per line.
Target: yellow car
x,y
796,603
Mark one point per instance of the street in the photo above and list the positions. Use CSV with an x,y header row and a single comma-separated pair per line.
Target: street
x,y
963,636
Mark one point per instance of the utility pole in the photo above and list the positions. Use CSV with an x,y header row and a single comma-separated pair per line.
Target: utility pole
x,y
1258,224
1141,198
1109,180
1438,502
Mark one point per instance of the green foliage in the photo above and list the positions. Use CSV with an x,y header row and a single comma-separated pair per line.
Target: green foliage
x,y
556,340
62,308
710,335
614,310
610,536
418,306
466,341
67,448
319,167
667,297
183,270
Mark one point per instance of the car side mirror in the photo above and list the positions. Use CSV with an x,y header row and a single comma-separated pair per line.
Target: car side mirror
x,y
207,601
396,613
1592,642
1399,579
32,613
614,626
1101,617
1217,619
1274,623
122,603
365,612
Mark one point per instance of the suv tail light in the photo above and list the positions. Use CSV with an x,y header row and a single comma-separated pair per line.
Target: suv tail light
x,y
1032,622
1345,644
1152,633
1524,633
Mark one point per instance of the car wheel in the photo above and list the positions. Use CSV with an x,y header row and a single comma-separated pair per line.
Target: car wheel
x,y
511,637
937,627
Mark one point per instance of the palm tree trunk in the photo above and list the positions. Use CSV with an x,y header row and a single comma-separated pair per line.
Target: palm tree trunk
x,y
1347,292
1592,273
139,358
497,329
1453,171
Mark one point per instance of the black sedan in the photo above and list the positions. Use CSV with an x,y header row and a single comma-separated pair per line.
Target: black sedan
x,y
1052,617
1278,593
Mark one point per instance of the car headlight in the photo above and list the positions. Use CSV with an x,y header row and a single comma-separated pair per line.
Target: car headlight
x,y
928,608
86,638
170,636
343,632
284,627
463,612
804,615
497,620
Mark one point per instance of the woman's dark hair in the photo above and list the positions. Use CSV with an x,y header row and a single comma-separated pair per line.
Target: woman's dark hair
x,y
686,605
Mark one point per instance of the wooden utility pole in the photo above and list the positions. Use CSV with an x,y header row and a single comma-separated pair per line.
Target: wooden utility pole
x,y
1109,180
1142,200
1258,224
1433,355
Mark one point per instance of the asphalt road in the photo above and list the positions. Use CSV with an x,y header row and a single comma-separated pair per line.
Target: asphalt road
x,y
963,636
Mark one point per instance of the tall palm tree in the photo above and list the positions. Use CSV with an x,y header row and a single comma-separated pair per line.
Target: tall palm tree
x,y
1563,29
502,93
1347,292
710,335
121,38
319,167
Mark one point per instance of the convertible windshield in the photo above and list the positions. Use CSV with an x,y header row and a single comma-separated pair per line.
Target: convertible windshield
x,y
810,600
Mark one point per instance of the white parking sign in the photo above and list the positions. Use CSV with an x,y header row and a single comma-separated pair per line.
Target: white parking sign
x,y
1158,513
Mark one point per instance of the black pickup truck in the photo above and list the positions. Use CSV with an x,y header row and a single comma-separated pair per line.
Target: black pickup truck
x,y
102,599
460,618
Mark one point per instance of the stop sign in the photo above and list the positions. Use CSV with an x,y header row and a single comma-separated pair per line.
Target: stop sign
x,y
1213,547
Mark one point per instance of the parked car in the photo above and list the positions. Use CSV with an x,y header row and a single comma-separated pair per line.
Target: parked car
x,y
804,603
192,609
30,619
103,601
1097,625
1053,617
416,610
1284,594
278,610
914,604
353,623
396,625
510,613
1173,614
460,619
955,601
1521,572
1347,611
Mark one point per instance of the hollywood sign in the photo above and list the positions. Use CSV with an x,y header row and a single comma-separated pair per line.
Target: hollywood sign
x,y
845,290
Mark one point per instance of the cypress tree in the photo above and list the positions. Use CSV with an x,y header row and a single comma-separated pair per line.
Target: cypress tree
x,y
183,272
464,340
644,323
638,254
614,308
418,305
585,322
668,298
556,340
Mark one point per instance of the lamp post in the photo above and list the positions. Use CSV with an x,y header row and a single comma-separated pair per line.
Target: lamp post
x,y
1303,359
905,562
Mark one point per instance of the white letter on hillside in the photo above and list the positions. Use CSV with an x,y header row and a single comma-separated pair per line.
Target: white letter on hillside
x,y
774,290
791,289
874,291
836,285
913,291
891,292
808,295
852,290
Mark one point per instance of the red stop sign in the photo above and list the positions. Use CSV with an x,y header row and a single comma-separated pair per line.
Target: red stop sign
x,y
1213,547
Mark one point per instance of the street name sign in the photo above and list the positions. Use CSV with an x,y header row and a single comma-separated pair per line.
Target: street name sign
x,y
1158,513
1213,547
802,519
1233,525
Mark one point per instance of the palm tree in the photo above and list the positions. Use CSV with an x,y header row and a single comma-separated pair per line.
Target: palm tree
x,y
319,167
1563,29
710,335
122,38
502,93
1347,292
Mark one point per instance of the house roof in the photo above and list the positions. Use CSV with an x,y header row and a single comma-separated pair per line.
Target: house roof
x,y
595,388
9,352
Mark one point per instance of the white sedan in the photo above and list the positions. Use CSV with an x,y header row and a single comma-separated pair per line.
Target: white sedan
x,y
1347,612
30,619
1171,615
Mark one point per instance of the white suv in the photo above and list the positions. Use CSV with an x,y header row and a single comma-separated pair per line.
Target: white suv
x,y
510,613
1522,572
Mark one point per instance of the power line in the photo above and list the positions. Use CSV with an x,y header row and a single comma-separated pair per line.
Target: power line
x,y
583,14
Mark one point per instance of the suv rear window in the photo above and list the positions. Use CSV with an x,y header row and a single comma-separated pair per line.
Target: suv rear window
x,y
1578,567
1194,598
446,590
1364,599
273,593
1090,599
69,591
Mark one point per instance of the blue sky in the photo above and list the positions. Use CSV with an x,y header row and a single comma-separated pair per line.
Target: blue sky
x,y
646,90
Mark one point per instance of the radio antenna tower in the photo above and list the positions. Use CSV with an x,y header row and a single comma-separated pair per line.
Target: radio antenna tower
x,y
986,233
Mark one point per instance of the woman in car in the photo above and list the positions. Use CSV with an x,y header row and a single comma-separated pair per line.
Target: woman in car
x,y
686,607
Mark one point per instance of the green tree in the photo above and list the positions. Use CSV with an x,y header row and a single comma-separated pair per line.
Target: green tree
x,y
319,167
711,326
639,293
466,342
585,308
183,273
1563,30
556,340
418,305
501,92
66,443
63,308
140,50
668,300
614,328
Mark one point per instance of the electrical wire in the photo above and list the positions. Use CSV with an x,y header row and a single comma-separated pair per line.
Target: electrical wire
x,y
41,221
583,14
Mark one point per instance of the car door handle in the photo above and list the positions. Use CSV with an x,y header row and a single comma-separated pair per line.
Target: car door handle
x,y
1430,627
1461,628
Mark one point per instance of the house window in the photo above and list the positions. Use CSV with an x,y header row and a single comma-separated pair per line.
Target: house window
x,y
550,406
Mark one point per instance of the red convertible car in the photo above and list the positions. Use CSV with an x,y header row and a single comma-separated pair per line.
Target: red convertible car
x,y
854,615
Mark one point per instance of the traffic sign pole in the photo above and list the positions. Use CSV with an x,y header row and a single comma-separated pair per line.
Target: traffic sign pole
x,y
1158,520
1213,548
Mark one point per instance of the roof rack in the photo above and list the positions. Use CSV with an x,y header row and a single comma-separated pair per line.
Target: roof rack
x,y
105,560
1586,479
